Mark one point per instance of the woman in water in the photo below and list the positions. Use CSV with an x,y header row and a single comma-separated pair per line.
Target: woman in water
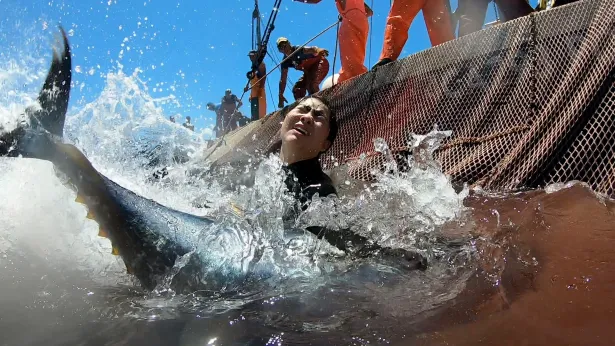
x,y
308,130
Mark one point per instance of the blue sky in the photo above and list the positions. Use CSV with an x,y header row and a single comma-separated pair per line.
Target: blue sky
x,y
198,47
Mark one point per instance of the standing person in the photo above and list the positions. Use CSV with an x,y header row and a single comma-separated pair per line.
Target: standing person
x,y
311,60
172,119
230,102
471,13
437,19
258,99
229,107
352,36
188,124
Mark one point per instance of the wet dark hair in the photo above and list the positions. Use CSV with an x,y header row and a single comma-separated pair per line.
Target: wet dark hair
x,y
333,127
276,144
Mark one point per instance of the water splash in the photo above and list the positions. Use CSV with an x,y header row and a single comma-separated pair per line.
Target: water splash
x,y
125,126
401,209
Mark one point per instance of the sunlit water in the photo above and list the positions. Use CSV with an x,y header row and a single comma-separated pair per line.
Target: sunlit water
x,y
497,263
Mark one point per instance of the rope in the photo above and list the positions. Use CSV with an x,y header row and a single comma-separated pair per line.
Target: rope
x,y
337,35
270,93
290,81
454,143
275,61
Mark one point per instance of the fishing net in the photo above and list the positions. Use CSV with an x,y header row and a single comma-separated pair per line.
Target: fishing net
x,y
530,102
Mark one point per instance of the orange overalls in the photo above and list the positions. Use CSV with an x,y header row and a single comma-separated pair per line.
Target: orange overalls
x,y
314,69
437,19
352,38
258,100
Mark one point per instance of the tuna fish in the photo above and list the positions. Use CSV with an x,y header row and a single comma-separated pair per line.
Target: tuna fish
x,y
159,245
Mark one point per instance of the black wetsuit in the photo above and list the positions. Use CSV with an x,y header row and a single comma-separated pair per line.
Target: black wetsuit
x,y
304,179
310,179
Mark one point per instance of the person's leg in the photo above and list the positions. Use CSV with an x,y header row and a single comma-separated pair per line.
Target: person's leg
x,y
254,111
234,121
472,15
352,39
299,89
226,121
262,104
438,21
317,75
398,23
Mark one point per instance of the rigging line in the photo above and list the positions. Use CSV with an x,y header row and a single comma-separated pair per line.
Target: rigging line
x,y
272,16
337,35
371,31
290,81
268,29
270,93
276,61
296,50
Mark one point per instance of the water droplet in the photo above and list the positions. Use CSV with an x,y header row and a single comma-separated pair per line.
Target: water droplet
x,y
380,145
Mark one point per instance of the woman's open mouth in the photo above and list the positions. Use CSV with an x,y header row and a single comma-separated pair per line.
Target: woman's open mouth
x,y
301,131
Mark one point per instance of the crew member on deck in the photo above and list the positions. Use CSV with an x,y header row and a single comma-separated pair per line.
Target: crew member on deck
x,y
311,60
188,124
230,114
437,19
258,99
352,36
230,101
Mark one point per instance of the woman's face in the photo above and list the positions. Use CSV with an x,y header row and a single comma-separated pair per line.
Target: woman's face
x,y
305,130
